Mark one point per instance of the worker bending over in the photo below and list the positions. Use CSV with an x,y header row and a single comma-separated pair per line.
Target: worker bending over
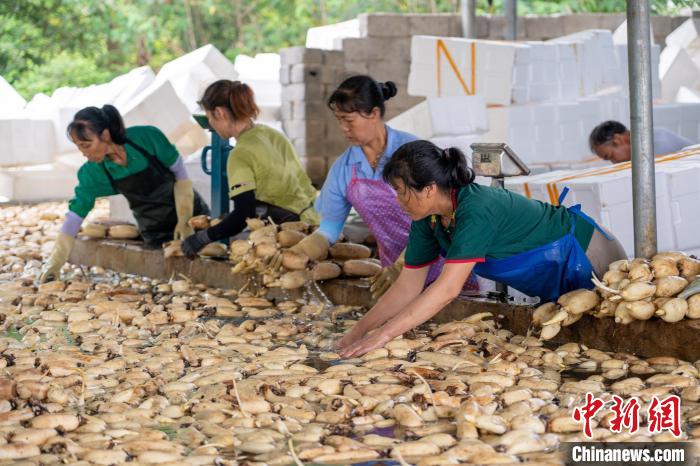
x,y
610,140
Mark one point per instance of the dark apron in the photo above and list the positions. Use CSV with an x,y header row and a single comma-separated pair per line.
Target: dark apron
x,y
151,199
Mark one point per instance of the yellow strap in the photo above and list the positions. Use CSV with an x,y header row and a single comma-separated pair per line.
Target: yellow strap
x,y
441,47
553,190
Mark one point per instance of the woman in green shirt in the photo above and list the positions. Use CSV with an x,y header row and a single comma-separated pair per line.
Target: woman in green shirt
x,y
138,162
265,176
537,248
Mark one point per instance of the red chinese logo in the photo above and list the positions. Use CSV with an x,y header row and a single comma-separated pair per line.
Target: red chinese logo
x,y
665,415
586,413
662,414
626,415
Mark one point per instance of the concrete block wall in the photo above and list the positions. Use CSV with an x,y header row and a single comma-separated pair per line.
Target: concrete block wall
x,y
308,77
383,51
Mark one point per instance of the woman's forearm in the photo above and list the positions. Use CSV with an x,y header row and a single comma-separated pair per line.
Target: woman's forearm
x,y
406,288
438,295
71,225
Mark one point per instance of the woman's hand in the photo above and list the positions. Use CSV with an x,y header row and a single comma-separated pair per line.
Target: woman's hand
x,y
350,337
374,340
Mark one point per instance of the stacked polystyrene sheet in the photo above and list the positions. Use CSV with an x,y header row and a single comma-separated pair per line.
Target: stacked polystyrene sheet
x,y
680,118
448,66
444,116
190,74
330,37
554,132
26,140
159,106
44,182
623,67
595,58
262,73
606,195
677,69
11,100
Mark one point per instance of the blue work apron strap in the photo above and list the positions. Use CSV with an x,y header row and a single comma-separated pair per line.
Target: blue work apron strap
x,y
576,210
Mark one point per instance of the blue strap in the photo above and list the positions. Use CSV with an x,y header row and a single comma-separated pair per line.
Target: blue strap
x,y
576,210
563,194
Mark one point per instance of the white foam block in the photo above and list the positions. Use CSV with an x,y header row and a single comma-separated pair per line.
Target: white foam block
x,y
687,95
680,118
596,63
623,65
11,100
38,183
444,116
190,74
26,140
492,71
683,35
620,34
330,37
119,91
676,69
606,197
160,106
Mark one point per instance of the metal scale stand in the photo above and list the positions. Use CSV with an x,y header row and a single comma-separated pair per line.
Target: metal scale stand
x,y
497,161
219,149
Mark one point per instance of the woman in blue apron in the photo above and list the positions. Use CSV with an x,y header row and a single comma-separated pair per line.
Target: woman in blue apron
x,y
534,247
138,162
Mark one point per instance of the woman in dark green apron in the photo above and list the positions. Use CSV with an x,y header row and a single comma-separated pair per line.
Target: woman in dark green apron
x,y
138,162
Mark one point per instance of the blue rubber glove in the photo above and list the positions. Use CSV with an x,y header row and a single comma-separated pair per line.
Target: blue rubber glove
x,y
194,243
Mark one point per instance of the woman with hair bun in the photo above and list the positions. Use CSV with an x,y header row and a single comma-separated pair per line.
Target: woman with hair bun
x,y
355,178
537,248
138,162
265,176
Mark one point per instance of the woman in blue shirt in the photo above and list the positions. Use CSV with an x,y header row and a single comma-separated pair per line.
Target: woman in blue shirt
x,y
355,179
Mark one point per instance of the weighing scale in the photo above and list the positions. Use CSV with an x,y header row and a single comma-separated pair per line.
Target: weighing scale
x,y
219,149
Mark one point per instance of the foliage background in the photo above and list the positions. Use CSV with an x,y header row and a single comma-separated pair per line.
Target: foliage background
x,y
45,44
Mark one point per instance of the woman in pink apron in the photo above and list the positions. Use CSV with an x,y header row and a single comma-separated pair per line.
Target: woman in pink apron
x,y
355,180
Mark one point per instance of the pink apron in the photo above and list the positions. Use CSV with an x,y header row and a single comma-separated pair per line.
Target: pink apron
x,y
376,203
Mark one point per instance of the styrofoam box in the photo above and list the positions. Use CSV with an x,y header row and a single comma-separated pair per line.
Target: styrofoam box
x,y
684,194
680,118
444,116
596,62
330,37
623,66
119,209
683,35
118,91
494,63
25,140
190,74
11,100
160,106
676,69
620,34
607,197
38,183
686,95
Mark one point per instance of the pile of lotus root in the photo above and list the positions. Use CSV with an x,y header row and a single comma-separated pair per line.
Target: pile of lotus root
x,y
630,290
108,368
266,252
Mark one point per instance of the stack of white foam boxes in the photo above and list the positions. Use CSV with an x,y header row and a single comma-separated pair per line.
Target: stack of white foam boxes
x,y
33,138
262,74
308,77
605,194
446,121
680,63
543,98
